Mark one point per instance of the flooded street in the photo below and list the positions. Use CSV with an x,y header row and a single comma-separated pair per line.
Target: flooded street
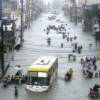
x,y
35,45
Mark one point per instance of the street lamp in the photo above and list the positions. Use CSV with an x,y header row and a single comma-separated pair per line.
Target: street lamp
x,y
75,11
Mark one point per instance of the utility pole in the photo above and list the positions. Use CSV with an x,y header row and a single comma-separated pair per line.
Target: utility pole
x,y
85,2
75,10
75,6
2,39
2,47
13,30
21,36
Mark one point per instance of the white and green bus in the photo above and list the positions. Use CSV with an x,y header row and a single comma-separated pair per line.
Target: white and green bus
x,y
42,74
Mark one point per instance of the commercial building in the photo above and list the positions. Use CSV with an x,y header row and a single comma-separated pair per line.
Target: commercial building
x,y
73,9
7,37
91,13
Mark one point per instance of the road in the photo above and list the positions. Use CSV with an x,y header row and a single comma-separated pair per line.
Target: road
x,y
35,45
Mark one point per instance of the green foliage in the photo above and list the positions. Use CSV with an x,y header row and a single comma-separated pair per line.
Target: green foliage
x,y
90,13
97,13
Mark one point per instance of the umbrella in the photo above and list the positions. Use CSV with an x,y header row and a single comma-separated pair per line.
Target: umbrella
x,y
18,68
17,65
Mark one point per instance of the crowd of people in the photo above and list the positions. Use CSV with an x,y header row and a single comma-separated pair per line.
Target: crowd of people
x,y
16,79
89,66
59,29
62,30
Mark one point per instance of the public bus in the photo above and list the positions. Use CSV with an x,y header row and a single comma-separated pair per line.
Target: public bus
x,y
42,74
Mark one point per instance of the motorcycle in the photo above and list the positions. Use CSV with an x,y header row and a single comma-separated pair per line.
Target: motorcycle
x,y
69,74
94,92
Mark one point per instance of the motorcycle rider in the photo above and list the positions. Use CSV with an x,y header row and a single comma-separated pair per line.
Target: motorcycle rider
x,y
69,74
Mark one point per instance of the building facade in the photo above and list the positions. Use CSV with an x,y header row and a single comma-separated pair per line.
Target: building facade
x,y
73,9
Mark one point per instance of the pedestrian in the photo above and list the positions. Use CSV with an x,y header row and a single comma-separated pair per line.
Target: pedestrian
x,y
75,46
81,47
82,61
16,91
86,59
20,80
68,39
74,58
79,50
74,51
75,37
90,45
69,56
61,45
12,79
63,36
47,32
94,60
71,39
95,67
49,41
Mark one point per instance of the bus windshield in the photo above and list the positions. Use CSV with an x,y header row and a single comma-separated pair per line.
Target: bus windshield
x,y
41,81
38,78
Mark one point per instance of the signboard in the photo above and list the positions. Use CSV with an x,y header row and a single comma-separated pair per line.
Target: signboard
x,y
42,74
0,9
38,74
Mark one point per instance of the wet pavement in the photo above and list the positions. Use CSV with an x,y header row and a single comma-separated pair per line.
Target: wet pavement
x,y
35,45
